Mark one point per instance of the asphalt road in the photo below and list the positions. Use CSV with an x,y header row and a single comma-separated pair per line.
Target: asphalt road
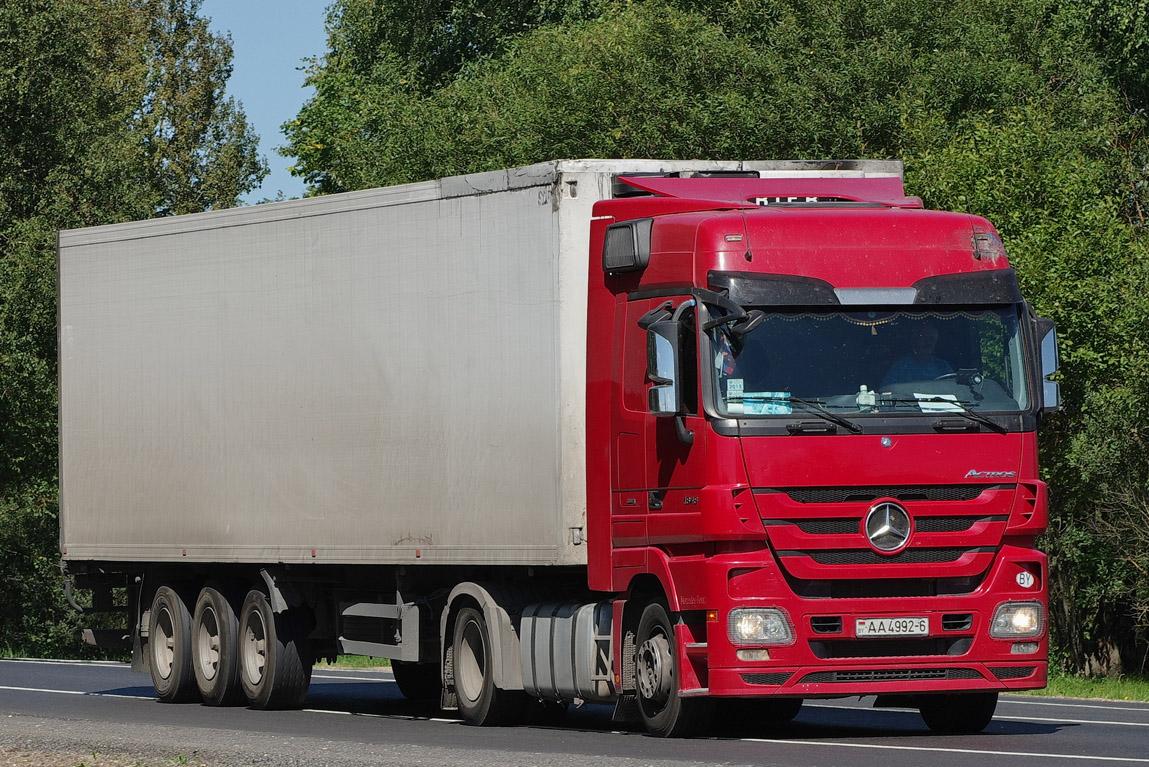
x,y
358,717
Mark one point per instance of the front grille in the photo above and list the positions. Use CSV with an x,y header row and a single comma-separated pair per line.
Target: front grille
x,y
952,524
776,678
889,648
957,622
885,588
824,526
1013,672
867,557
890,675
866,494
826,624
853,525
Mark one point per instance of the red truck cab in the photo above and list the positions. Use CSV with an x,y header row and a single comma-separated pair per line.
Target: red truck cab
x,y
812,414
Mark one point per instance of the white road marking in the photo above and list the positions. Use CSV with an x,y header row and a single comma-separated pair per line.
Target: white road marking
x,y
383,716
96,663
996,716
1011,701
380,678
1080,757
775,741
1070,721
79,692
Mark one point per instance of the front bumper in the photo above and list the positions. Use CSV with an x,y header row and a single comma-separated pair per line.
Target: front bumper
x,y
828,659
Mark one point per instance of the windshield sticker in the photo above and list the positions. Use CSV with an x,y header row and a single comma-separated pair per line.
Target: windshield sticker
x,y
740,401
938,403
767,403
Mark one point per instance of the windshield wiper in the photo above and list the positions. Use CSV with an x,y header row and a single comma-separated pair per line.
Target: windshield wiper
x,y
818,409
980,418
964,411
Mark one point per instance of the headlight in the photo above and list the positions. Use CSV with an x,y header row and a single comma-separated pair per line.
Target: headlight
x,y
1017,619
758,626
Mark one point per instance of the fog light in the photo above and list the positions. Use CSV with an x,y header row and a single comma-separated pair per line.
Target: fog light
x,y
753,626
1017,619
1024,648
754,654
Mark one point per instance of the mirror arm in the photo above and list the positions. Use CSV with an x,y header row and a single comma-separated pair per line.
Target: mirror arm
x,y
682,309
735,312
657,314
685,436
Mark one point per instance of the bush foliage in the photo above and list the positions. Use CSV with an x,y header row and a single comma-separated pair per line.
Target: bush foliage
x,y
1029,112
110,110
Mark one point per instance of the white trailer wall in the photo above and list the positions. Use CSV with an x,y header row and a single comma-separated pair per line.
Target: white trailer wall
x,y
374,376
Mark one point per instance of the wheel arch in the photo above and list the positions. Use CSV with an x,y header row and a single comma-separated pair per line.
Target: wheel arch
x,y
501,609
658,577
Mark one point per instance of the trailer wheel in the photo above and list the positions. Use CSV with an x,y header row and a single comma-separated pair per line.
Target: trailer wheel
x,y
664,712
958,713
274,662
169,647
215,640
422,682
480,702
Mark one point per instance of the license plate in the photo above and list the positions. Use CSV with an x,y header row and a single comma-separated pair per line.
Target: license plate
x,y
892,627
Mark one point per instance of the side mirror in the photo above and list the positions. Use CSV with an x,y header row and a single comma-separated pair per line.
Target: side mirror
x,y
1050,362
662,367
664,339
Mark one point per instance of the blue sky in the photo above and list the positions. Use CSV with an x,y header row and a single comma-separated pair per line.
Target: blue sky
x,y
271,38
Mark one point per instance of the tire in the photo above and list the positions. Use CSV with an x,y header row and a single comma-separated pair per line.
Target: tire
x,y
480,702
274,657
215,649
169,647
958,713
421,682
664,712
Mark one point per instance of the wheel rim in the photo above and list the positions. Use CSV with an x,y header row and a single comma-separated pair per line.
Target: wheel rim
x,y
163,643
207,644
254,648
655,669
471,662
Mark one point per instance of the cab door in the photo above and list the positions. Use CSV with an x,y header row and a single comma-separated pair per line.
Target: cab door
x,y
675,468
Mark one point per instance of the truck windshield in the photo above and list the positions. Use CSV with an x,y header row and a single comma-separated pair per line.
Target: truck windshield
x,y
872,362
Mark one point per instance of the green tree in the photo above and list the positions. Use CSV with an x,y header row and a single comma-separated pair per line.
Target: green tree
x,y
200,148
435,40
1030,112
110,110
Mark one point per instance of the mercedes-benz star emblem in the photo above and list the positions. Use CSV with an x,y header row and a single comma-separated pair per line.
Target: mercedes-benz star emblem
x,y
888,527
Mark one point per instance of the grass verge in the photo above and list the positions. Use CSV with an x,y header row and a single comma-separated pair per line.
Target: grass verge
x,y
1070,686
356,661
